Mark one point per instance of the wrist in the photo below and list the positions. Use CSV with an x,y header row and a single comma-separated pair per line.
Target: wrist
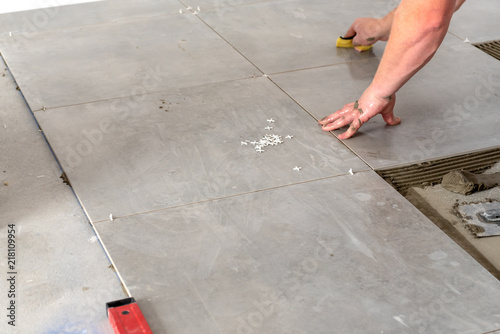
x,y
378,95
386,25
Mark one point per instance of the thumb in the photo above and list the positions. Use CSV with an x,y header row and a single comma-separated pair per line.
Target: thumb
x,y
390,119
351,32
388,112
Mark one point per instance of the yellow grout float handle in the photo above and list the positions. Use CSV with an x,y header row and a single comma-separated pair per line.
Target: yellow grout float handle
x,y
346,42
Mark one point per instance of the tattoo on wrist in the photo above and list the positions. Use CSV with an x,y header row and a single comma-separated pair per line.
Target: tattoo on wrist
x,y
356,105
370,39
388,98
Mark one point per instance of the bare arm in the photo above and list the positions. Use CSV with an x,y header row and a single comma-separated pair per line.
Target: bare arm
x,y
418,28
459,4
369,30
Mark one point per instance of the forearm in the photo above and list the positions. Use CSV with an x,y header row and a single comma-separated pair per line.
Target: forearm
x,y
416,29
419,28
387,20
458,4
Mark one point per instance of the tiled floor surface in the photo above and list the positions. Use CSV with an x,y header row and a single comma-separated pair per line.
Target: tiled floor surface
x,y
63,279
153,111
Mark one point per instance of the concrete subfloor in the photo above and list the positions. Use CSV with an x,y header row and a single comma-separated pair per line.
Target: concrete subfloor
x,y
438,203
151,112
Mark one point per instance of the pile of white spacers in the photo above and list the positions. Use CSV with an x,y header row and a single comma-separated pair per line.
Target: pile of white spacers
x,y
267,140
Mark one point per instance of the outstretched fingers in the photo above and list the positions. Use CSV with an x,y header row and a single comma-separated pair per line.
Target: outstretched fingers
x,y
340,122
350,114
356,113
329,119
338,119
355,125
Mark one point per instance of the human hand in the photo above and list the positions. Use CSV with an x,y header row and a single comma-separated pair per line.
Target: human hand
x,y
359,112
367,31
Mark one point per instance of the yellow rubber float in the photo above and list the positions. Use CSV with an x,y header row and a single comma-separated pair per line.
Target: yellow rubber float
x,y
346,42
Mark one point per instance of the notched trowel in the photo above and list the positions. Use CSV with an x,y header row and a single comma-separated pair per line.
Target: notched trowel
x,y
482,219
346,42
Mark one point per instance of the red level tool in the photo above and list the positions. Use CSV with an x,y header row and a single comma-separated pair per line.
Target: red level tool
x,y
126,317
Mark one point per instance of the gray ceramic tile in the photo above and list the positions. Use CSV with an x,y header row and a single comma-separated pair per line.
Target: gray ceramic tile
x,y
342,255
167,149
63,277
477,21
449,108
72,66
64,17
280,36
219,4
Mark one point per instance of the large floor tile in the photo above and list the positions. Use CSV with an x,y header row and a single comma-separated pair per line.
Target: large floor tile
x,y
477,21
341,255
287,35
120,59
449,108
60,16
216,4
63,279
160,150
